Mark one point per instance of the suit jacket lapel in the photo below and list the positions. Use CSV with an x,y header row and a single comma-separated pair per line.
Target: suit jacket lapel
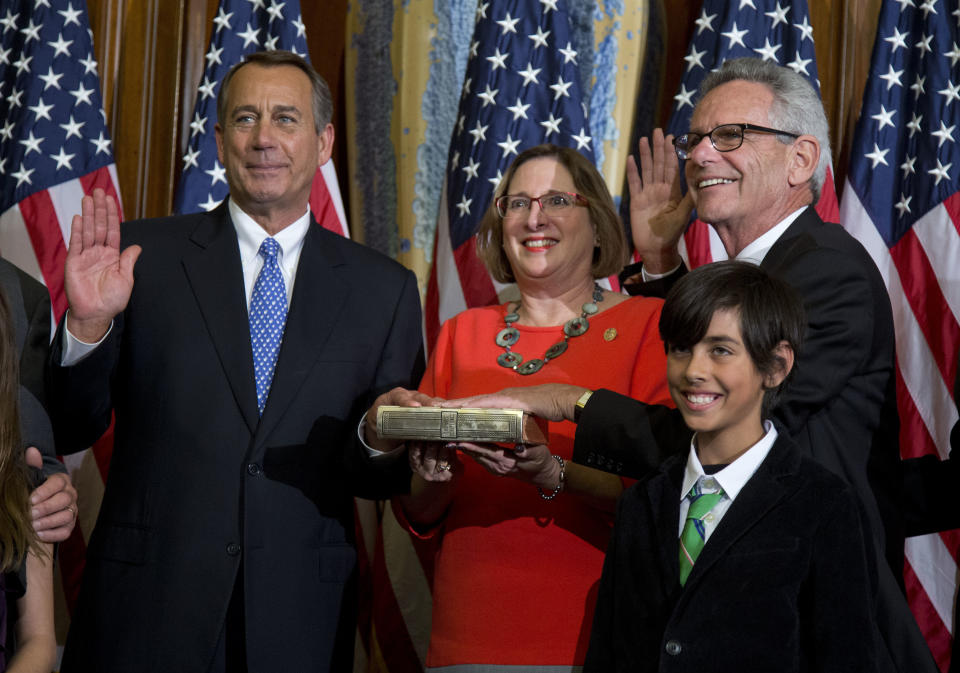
x,y
768,486
793,242
215,274
664,494
319,296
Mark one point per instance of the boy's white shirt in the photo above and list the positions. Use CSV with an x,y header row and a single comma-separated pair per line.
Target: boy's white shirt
x,y
731,479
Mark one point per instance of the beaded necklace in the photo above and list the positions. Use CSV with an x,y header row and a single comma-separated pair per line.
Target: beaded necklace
x,y
574,327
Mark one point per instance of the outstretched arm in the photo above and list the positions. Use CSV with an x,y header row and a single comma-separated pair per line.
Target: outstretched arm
x,y
98,277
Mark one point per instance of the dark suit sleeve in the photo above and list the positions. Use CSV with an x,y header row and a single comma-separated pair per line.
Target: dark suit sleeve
x,y
840,332
929,485
35,428
401,364
654,288
837,605
80,398
618,434
600,653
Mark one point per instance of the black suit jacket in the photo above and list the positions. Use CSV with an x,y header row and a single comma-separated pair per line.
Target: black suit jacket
x,y
782,584
199,482
29,305
840,407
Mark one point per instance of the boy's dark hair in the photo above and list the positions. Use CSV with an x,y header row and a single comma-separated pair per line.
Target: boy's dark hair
x,y
770,312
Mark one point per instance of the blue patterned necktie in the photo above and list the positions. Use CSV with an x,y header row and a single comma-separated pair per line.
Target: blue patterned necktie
x,y
693,536
268,314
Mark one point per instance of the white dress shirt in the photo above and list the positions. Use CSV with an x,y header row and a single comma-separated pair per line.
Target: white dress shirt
x,y
731,479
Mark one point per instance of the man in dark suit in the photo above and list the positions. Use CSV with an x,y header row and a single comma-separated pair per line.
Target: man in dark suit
x,y
756,158
225,538
53,501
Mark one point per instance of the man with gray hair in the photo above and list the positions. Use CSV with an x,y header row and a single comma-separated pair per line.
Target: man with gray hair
x,y
756,157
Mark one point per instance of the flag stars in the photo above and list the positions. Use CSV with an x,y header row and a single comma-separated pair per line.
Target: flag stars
x,y
694,58
884,117
548,5
914,124
5,55
918,86
197,125
70,15
551,125
927,7
23,175
482,10
471,168
956,13
746,3
473,48
539,38
509,146
904,4
9,22
903,205
61,46
190,158
569,54
908,166
705,22
799,65
7,131
877,156
250,36
41,110
508,24
209,204
892,77
944,134
582,139
735,36
22,64
779,15
924,45
530,74
479,133
806,30
768,51
951,93
31,32
684,97
31,143
217,174
206,89
51,79
275,10
13,100
519,109
63,159
498,60
496,179
561,88
300,26
897,41
489,96
102,144
221,21
940,172
271,43
953,54
464,206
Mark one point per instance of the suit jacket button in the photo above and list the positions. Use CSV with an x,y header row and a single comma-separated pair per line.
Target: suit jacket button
x,y
233,549
253,469
673,647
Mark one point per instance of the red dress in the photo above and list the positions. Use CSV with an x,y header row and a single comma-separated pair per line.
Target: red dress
x,y
516,576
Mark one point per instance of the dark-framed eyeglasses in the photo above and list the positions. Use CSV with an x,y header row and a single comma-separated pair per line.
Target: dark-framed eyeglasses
x,y
515,206
724,138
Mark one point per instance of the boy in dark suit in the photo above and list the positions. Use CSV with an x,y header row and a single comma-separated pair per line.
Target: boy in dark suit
x,y
741,554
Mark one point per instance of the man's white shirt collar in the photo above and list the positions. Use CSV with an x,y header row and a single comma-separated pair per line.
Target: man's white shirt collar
x,y
759,247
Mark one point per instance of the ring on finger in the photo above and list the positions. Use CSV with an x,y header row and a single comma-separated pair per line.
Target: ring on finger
x,y
73,509
443,466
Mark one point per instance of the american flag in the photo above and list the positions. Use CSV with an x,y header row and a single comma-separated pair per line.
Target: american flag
x,y
522,88
54,142
239,28
901,202
732,29
54,148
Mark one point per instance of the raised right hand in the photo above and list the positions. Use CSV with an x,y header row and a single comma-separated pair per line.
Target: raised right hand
x,y
658,214
98,277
